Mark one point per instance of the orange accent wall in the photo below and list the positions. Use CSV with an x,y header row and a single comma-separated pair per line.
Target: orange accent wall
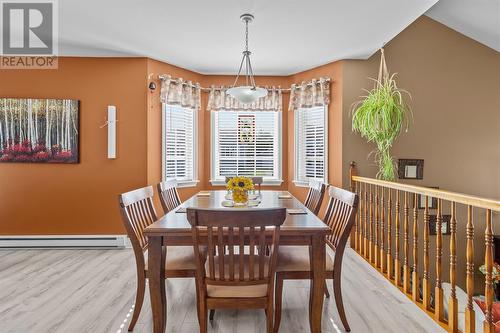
x,y
79,198
333,71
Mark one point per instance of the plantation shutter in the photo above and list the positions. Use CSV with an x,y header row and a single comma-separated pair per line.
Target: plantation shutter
x,y
178,128
246,144
310,127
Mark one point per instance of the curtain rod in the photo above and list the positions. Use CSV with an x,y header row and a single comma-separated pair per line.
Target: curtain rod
x,y
161,77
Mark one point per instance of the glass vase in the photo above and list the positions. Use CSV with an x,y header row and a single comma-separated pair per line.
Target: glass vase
x,y
240,197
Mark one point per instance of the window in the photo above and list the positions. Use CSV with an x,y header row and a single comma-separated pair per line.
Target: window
x,y
311,137
179,148
246,144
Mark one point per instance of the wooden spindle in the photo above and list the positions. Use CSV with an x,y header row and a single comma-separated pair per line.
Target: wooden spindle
x,y
470,315
406,246
382,256
389,260
438,292
453,302
360,221
370,243
426,282
366,245
489,326
377,228
415,281
397,261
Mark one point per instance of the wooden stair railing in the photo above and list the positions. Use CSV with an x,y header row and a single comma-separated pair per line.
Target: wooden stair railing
x,y
389,214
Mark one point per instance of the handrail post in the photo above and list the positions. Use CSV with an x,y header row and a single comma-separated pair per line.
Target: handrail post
x,y
389,260
489,326
453,302
470,315
426,283
415,281
438,290
352,187
406,246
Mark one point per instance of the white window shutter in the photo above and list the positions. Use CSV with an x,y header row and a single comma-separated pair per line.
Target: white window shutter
x,y
246,144
178,143
311,144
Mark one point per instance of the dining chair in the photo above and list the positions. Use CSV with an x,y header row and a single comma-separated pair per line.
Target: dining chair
x,y
294,261
236,272
137,213
315,196
169,197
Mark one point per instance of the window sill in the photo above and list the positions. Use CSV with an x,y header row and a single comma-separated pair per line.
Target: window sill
x,y
221,182
301,183
192,183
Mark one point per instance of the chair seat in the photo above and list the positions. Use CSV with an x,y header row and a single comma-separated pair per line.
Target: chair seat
x,y
296,259
179,258
251,291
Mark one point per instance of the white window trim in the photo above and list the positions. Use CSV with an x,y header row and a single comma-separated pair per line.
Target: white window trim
x,y
303,183
184,183
267,182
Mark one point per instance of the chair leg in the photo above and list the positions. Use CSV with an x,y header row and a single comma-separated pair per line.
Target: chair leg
x,y
269,317
337,291
327,293
203,316
278,299
139,299
212,313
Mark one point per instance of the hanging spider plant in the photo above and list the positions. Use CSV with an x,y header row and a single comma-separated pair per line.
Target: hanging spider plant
x,y
380,116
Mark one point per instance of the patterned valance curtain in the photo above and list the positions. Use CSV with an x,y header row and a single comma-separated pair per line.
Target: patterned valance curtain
x,y
180,92
218,99
310,94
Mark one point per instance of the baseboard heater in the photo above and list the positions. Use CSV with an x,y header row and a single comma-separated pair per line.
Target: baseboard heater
x,y
64,241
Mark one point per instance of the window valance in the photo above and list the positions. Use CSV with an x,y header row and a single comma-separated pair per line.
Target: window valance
x,y
219,100
179,92
310,94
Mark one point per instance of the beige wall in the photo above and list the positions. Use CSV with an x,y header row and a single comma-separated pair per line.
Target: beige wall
x,y
455,87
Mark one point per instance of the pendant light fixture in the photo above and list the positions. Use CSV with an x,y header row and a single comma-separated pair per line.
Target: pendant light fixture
x,y
248,93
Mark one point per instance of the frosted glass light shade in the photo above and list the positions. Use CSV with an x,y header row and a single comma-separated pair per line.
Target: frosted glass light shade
x,y
247,94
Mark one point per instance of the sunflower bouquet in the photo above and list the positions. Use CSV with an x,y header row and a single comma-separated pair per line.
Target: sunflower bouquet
x,y
239,186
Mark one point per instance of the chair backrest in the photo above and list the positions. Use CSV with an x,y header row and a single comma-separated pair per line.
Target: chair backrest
x,y
137,212
315,196
340,217
231,232
169,197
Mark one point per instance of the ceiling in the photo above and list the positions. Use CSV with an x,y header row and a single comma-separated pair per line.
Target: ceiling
x,y
286,37
477,19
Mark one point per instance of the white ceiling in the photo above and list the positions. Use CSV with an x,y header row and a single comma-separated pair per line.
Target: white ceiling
x,y
287,36
477,19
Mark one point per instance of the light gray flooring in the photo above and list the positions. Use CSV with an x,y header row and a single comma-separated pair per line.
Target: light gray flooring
x,y
74,291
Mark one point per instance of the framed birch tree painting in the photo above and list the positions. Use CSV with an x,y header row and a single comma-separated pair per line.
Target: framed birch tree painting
x,y
39,130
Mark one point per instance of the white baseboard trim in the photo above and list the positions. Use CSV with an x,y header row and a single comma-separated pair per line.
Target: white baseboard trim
x,y
64,241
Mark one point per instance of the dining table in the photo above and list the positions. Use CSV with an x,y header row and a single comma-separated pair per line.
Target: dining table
x,y
301,227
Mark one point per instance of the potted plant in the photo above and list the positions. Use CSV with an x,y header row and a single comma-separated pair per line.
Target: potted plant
x,y
380,116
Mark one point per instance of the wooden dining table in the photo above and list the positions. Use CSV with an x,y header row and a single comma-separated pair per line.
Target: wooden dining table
x,y
173,229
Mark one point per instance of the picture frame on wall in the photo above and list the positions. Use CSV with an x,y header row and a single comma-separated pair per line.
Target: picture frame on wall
x,y
410,168
35,130
445,224
431,201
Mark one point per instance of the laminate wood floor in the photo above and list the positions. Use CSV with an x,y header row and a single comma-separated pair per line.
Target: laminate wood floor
x,y
80,291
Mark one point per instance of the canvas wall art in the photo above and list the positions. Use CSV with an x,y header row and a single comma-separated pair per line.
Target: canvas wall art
x,y
39,130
